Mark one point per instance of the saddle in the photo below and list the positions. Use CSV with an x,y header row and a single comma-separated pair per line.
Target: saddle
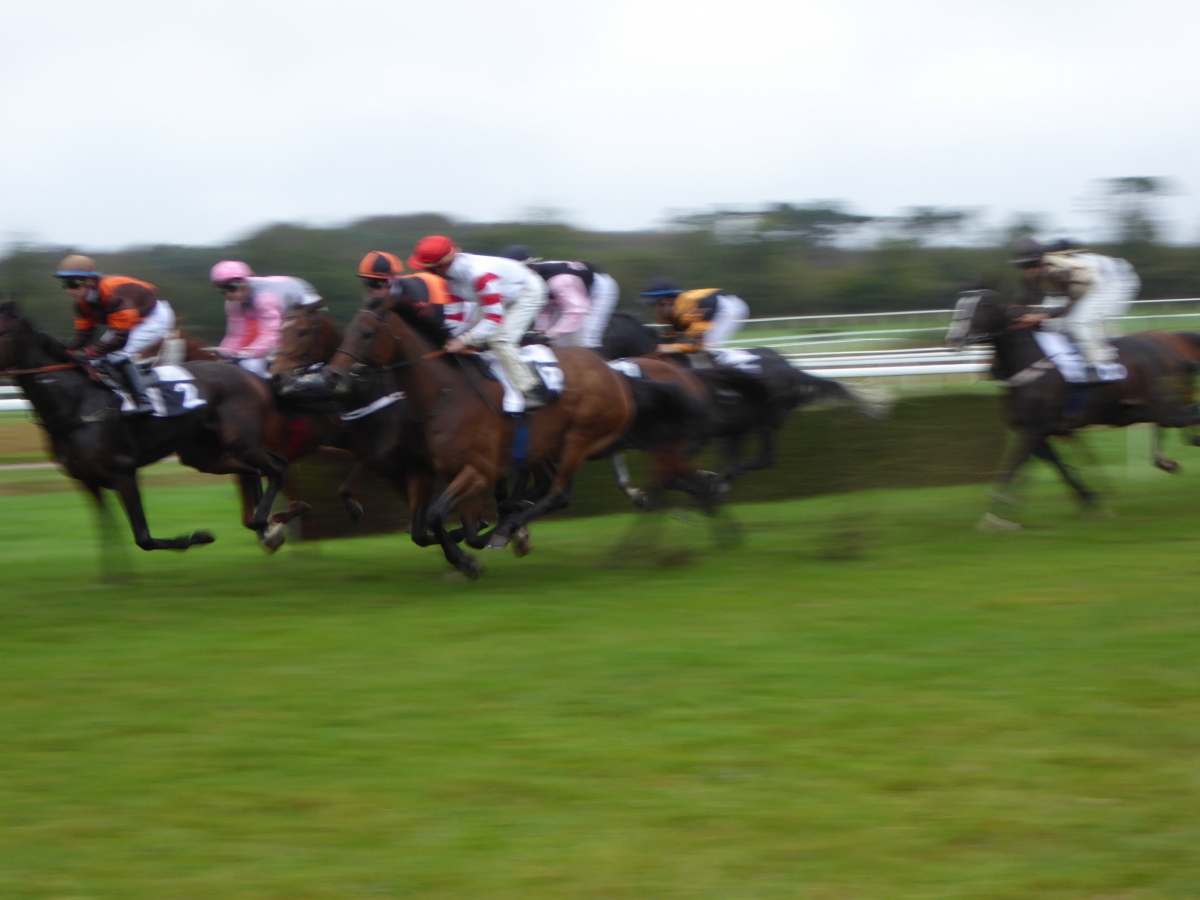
x,y
171,390
538,357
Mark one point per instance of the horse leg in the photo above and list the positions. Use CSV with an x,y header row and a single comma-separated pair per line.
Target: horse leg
x,y
673,470
467,483
764,460
346,491
1017,456
114,561
271,528
127,487
575,451
419,488
1043,450
620,469
1160,462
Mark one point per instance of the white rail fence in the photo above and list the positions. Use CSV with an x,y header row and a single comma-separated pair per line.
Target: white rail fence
x,y
897,345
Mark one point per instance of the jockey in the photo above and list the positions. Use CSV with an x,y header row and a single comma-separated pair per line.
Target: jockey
x,y
581,299
255,307
703,319
495,302
131,311
1082,290
383,276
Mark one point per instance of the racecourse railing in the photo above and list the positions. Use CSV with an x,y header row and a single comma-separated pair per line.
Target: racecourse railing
x,y
905,345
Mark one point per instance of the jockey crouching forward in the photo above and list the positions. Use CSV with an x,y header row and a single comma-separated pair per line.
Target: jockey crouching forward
x,y
703,319
581,299
255,307
1083,290
134,316
495,302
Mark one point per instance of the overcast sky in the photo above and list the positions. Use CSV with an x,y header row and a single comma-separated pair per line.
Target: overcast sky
x,y
143,121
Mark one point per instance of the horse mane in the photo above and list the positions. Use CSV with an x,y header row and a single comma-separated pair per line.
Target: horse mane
x,y
46,343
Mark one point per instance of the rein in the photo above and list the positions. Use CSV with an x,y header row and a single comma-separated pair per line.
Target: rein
x,y
57,367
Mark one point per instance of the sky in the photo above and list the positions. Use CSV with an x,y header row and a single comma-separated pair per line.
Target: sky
x,y
136,122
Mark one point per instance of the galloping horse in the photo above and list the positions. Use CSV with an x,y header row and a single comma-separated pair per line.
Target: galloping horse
x,y
102,449
1042,404
746,403
470,442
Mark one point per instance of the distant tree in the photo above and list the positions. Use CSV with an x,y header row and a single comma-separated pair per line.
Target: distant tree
x,y
1129,207
924,224
818,224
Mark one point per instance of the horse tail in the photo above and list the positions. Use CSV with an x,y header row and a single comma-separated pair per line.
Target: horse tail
x,y
872,401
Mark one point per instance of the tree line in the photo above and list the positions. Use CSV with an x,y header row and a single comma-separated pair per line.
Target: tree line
x,y
782,259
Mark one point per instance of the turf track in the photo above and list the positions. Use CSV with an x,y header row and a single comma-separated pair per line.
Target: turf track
x,y
945,714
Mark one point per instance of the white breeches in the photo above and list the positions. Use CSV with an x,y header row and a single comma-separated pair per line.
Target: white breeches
x,y
727,321
152,329
604,293
518,316
1115,287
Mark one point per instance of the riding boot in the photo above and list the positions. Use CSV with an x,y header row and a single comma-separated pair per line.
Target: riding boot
x,y
132,377
537,397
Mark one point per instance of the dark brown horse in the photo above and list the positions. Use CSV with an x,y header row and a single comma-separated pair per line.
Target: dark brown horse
x,y
101,448
469,440
1042,404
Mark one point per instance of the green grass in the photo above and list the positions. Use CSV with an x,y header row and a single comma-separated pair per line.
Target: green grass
x,y
626,713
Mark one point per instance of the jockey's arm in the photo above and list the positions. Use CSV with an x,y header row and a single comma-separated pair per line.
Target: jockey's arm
x,y
491,314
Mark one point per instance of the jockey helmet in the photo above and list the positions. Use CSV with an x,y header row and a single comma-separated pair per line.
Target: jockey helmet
x,y
433,251
1026,252
658,288
229,270
378,266
519,252
77,266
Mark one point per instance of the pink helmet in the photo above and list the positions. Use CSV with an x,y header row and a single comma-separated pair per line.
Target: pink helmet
x,y
228,270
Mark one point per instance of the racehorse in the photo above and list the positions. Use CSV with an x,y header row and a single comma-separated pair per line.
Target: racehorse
x,y
101,448
1042,404
1187,345
470,442
743,402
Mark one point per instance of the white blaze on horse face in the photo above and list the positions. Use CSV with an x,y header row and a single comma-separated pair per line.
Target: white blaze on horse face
x,y
960,321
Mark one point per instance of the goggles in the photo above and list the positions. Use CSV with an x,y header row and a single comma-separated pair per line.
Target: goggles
x,y
373,283
71,283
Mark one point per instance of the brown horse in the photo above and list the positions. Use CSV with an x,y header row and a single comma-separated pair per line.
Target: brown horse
x,y
101,448
470,441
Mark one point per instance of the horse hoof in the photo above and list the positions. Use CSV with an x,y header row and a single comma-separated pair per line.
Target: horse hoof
x,y
202,537
273,538
471,567
354,510
1167,465
520,542
638,498
498,542
992,522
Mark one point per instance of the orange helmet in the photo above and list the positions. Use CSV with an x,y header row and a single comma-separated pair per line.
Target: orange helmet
x,y
380,265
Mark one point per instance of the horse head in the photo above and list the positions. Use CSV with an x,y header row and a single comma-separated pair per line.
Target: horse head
x,y
308,336
13,332
979,316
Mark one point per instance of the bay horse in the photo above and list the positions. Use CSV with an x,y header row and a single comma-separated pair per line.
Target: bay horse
x,y
1041,404
101,448
469,440
745,403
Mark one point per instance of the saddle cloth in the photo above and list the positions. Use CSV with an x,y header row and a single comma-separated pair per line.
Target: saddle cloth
x,y
541,359
171,390
626,367
745,360
1060,351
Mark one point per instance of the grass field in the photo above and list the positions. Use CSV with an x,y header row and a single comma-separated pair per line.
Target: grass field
x,y
868,699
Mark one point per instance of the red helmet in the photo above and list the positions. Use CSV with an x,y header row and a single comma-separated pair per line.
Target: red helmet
x,y
432,251
380,265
